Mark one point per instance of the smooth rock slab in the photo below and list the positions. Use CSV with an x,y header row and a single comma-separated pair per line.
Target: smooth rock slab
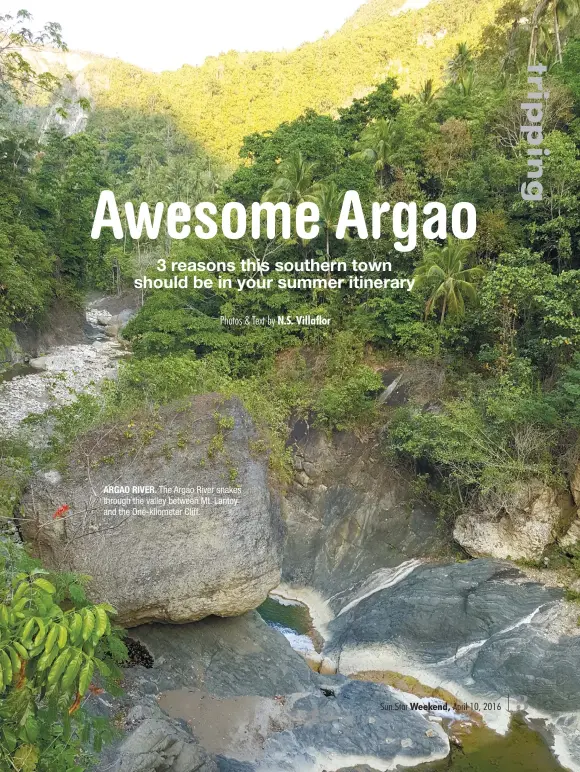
x,y
478,629
254,704
435,610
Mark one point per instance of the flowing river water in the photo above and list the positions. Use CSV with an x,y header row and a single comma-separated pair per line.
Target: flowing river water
x,y
474,747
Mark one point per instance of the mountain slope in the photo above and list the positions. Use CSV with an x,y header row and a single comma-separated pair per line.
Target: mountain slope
x,y
235,94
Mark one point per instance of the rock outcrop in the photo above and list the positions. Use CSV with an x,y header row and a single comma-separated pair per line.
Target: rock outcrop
x,y
254,705
571,539
170,513
521,528
61,325
111,314
158,744
349,512
575,484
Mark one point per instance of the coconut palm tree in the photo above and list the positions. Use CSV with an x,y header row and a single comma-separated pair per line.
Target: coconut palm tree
x,y
555,13
461,63
329,201
377,144
427,94
443,272
294,182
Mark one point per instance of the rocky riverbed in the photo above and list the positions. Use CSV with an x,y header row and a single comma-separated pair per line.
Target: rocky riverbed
x,y
253,704
51,374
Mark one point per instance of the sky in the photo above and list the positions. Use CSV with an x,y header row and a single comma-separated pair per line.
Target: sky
x,y
161,35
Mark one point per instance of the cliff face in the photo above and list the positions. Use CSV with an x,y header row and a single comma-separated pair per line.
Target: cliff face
x,y
64,110
348,513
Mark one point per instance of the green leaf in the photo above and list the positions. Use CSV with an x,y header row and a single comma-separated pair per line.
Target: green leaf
x,y
45,585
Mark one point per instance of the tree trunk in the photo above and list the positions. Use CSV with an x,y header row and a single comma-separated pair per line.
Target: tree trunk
x,y
444,309
536,16
141,272
557,33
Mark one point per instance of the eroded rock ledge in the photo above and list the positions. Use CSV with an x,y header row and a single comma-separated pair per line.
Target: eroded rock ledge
x,y
237,690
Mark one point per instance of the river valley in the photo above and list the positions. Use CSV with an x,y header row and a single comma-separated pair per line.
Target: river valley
x,y
376,610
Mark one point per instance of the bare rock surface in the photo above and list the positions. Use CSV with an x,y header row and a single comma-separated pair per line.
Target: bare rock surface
x,y
575,484
209,546
478,629
521,528
571,538
255,706
160,745
349,512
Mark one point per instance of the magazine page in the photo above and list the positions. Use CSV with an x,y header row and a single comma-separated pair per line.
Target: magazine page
x,y
290,386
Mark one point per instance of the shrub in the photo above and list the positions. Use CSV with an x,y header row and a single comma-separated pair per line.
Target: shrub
x,y
480,443
52,644
343,402
14,473
162,379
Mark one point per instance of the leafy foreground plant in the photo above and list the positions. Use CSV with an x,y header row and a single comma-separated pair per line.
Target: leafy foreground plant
x,y
52,643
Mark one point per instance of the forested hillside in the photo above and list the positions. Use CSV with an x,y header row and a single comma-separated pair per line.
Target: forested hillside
x,y
234,94
504,320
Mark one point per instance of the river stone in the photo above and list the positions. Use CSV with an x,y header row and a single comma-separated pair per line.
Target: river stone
x,y
159,745
62,374
254,704
40,363
223,559
528,521
350,512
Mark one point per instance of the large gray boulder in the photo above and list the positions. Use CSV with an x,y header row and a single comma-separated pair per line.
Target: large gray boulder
x,y
205,538
518,528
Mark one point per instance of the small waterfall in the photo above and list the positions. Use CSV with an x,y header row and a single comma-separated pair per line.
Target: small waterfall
x,y
463,650
381,580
